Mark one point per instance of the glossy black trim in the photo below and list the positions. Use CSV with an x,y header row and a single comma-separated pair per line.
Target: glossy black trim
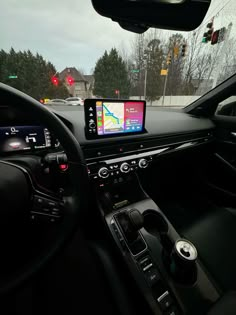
x,y
92,103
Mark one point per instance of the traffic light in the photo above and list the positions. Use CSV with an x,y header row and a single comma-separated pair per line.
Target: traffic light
x,y
215,37
70,80
176,51
208,34
183,50
54,80
168,60
117,92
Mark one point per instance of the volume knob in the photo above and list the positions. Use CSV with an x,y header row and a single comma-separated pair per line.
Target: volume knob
x,y
143,163
103,172
125,168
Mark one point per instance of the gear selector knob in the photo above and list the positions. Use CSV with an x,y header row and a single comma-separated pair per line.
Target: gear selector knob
x,y
136,219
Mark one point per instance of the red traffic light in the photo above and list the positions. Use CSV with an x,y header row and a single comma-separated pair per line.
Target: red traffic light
x,y
117,91
215,37
70,80
55,80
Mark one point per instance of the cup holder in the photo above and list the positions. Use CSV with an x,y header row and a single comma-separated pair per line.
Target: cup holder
x,y
155,223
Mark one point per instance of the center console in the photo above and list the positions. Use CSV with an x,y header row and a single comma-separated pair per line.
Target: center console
x,y
164,266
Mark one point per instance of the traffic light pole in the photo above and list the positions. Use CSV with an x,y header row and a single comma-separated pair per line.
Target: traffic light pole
x,y
145,84
164,90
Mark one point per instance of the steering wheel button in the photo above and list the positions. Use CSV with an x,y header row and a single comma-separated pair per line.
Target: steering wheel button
x,y
54,213
52,204
55,209
38,200
46,210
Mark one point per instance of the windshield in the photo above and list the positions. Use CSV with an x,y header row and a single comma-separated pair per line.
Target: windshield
x,y
52,49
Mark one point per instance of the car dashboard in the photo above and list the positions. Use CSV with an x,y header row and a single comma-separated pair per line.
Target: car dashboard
x,y
114,165
166,131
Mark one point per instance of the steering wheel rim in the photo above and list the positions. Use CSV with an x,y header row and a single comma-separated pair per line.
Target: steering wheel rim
x,y
77,172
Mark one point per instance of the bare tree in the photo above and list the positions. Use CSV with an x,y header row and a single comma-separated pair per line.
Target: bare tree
x,y
81,70
138,63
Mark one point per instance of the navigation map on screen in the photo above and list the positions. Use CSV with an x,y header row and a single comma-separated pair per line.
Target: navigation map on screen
x,y
119,117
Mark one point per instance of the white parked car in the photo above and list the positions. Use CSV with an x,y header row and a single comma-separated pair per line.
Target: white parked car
x,y
75,101
57,101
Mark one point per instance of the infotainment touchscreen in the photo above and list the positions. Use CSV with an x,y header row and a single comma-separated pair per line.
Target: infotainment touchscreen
x,y
114,117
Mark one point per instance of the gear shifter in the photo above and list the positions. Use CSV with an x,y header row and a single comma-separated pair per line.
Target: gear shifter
x,y
179,256
136,219
130,223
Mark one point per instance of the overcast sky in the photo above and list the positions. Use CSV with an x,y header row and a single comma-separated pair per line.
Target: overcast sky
x,y
68,33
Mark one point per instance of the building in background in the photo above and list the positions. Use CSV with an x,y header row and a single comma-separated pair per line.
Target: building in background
x,y
77,84
90,84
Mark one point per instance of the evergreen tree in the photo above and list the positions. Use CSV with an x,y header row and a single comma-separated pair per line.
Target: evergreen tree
x,y
33,74
110,75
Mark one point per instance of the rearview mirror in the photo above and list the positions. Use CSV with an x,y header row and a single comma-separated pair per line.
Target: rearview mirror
x,y
139,15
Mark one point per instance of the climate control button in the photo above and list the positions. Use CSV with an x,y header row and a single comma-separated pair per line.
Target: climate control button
x,y
143,163
103,172
125,168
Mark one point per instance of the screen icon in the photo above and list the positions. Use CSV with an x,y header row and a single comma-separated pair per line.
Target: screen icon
x,y
91,115
99,118
90,109
99,123
99,113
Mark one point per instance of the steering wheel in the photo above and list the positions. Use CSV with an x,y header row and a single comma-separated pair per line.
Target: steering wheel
x,y
19,192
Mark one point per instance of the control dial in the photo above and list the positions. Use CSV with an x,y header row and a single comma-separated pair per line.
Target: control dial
x,y
103,172
143,163
92,125
125,168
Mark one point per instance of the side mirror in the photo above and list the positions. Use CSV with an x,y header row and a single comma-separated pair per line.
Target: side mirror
x,y
139,15
227,109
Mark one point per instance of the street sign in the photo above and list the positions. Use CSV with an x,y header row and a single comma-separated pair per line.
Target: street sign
x,y
164,71
12,77
135,70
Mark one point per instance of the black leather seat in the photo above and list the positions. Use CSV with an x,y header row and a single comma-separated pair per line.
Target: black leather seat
x,y
225,306
214,235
